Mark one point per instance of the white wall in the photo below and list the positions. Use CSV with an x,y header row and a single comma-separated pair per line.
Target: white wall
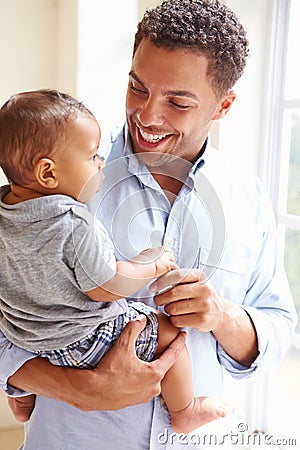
x,y
66,46
145,4
241,131
27,45
105,38
38,46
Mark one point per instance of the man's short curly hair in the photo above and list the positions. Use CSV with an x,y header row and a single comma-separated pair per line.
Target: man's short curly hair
x,y
204,25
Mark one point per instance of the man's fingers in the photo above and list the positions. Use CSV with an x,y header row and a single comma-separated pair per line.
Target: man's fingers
x,y
22,407
174,277
170,356
130,333
183,307
187,320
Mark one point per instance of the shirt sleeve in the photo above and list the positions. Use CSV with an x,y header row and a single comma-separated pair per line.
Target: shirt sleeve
x,y
11,359
268,302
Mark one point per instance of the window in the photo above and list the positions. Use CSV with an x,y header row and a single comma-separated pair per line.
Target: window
x,y
289,200
282,162
282,176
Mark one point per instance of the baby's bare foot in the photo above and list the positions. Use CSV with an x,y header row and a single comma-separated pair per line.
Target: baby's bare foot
x,y
200,411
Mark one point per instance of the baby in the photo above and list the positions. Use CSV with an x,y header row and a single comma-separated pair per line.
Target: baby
x,y
62,293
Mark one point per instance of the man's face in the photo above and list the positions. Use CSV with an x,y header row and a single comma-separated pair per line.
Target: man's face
x,y
170,104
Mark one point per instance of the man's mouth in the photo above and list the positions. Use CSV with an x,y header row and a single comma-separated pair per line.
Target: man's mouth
x,y
152,138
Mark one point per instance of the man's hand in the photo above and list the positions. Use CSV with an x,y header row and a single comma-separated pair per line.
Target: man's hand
x,y
21,407
129,372
193,302
113,385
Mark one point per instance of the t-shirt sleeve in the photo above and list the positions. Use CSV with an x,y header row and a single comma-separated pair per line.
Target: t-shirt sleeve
x,y
94,260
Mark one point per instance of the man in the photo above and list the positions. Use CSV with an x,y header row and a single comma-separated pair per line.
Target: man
x,y
167,186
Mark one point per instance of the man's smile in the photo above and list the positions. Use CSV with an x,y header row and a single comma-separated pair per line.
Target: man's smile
x,y
150,138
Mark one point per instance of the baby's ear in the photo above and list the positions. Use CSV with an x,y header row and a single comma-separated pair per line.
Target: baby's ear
x,y
45,173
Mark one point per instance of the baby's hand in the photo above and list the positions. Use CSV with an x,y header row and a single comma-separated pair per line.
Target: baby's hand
x,y
165,262
162,257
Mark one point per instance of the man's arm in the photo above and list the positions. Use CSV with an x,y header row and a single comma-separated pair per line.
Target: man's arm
x,y
254,328
113,385
192,303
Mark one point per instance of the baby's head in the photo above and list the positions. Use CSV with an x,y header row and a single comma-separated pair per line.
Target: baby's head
x,y
49,142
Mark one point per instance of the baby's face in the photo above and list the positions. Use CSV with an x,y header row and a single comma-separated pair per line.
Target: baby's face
x,y
79,168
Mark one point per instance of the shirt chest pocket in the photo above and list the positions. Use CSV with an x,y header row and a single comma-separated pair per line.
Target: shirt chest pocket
x,y
231,273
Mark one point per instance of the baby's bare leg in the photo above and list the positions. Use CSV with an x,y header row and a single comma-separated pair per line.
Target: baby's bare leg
x,y
187,412
21,407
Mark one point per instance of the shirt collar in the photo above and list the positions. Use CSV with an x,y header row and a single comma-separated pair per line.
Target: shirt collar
x,y
135,166
200,161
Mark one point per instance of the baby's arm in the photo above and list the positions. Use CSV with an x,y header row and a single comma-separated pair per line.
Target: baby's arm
x,y
134,274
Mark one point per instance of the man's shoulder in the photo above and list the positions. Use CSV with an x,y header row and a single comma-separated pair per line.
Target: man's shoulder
x,y
223,168
233,183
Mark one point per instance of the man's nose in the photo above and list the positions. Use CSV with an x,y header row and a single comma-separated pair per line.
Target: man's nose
x,y
150,113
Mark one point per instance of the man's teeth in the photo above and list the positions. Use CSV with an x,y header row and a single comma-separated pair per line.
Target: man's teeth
x,y
151,138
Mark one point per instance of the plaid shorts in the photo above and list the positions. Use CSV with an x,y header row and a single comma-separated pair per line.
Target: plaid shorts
x,y
87,352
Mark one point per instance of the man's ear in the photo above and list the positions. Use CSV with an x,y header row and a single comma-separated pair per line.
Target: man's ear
x,y
45,173
224,105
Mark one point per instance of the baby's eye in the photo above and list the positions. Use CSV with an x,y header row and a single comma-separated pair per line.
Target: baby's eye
x,y
97,158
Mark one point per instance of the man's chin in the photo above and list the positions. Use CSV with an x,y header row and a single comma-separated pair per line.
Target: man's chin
x,y
154,159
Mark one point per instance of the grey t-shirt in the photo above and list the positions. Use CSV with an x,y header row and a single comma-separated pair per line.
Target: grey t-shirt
x,y
52,250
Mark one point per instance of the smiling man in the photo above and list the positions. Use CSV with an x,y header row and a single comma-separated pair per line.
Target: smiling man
x,y
169,110
166,185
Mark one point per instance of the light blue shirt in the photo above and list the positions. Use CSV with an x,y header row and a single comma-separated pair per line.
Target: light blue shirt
x,y
221,222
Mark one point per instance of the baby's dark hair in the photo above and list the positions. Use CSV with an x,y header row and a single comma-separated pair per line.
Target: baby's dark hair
x,y
34,125
207,26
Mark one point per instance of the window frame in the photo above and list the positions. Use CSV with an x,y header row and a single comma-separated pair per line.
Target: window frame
x,y
254,396
274,165
274,161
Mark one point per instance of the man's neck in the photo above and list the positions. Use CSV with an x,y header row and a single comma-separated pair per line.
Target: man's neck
x,y
169,185
172,176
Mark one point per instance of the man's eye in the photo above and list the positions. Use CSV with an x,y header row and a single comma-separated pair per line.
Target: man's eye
x,y
95,157
179,106
137,89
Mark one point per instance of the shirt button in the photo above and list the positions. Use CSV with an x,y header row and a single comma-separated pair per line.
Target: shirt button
x,y
158,193
170,241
